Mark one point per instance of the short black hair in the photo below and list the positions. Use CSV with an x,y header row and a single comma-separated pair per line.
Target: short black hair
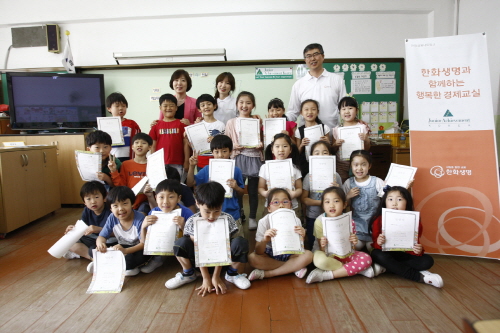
x,y
221,141
276,103
312,47
168,97
172,173
348,101
119,194
144,137
115,97
206,98
210,194
177,74
98,137
92,187
171,185
334,189
363,153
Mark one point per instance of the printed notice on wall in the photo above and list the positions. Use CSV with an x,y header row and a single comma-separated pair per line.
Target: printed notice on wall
x,y
385,86
360,87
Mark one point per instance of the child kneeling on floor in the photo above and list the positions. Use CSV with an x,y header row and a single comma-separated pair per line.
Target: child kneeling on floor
x,y
209,199
268,265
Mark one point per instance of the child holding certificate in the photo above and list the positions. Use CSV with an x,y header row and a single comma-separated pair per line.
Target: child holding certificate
x,y
334,202
309,110
100,142
348,107
362,194
125,224
276,109
411,265
95,213
221,147
265,262
209,199
249,160
312,199
281,148
206,105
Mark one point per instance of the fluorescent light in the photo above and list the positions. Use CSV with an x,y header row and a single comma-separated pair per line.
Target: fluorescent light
x,y
169,54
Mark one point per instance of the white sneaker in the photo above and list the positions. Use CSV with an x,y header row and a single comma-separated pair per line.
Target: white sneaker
x,y
239,280
71,255
256,274
179,280
377,269
252,224
432,279
369,273
301,273
152,264
319,275
90,267
132,272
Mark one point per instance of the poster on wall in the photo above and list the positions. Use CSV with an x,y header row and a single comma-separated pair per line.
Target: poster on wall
x,y
453,145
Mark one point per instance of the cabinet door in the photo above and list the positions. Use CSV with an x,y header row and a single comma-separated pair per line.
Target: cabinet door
x,y
51,180
13,191
35,184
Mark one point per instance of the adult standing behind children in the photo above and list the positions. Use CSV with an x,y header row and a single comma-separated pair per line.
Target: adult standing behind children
x,y
225,84
181,83
318,84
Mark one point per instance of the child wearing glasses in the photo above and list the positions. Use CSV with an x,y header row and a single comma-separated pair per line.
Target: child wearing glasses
x,y
266,264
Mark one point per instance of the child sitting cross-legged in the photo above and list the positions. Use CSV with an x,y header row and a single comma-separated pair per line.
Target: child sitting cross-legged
x,y
209,199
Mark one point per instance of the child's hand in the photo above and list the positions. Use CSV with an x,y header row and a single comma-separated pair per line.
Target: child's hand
x,y
104,177
305,142
180,221
381,240
198,119
353,239
417,248
68,228
363,136
92,229
237,146
120,248
232,183
354,192
154,122
185,121
334,184
193,160
323,242
149,220
260,145
209,139
148,190
101,247
219,285
325,138
337,143
299,230
270,233
206,287
112,163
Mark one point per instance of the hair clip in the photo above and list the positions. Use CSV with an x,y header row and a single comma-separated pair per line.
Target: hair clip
x,y
350,95
387,188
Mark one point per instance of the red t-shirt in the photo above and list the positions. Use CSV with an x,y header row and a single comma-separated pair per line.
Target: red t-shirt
x,y
377,230
169,136
130,174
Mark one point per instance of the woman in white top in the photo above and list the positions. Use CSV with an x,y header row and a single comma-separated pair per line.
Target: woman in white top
x,y
226,104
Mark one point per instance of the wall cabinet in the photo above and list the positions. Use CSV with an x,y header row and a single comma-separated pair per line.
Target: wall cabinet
x,y
29,185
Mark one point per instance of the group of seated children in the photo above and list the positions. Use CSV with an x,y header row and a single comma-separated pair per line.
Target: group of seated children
x,y
123,227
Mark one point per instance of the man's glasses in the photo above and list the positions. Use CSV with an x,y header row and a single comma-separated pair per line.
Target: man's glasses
x,y
314,55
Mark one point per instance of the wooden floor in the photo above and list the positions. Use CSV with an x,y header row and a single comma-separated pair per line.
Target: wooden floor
x,y
39,293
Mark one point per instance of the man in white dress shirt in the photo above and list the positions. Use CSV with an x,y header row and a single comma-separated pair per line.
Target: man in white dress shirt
x,y
318,84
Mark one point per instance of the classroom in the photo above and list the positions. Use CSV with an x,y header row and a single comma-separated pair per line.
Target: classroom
x,y
43,294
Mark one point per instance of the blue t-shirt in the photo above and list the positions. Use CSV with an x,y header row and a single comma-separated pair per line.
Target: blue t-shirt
x,y
187,197
90,218
230,205
185,212
129,237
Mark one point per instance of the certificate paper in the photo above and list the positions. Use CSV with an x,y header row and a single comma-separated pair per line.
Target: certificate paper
x,y
280,173
321,172
88,164
140,185
273,126
400,228
313,133
249,132
109,272
68,240
286,241
161,236
197,135
211,242
399,175
155,168
221,171
337,231
112,126
352,142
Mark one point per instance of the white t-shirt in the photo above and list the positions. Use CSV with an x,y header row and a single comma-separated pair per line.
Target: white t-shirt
x,y
215,128
226,109
295,175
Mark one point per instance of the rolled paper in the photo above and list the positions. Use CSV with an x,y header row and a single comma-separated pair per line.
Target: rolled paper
x,y
66,242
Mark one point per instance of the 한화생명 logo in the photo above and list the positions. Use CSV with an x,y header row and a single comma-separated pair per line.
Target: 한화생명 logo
x,y
437,171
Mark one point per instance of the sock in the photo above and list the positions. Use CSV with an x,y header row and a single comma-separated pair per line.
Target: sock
x,y
421,278
232,271
188,272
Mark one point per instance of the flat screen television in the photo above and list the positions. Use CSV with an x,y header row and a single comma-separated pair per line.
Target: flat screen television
x,y
43,101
